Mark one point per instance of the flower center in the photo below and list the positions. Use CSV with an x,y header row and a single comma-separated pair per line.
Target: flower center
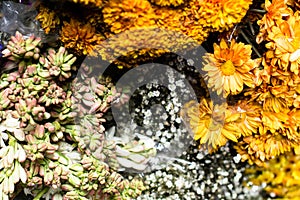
x,y
228,68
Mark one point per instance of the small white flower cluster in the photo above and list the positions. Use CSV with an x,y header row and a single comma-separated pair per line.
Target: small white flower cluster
x,y
209,176
158,112
176,181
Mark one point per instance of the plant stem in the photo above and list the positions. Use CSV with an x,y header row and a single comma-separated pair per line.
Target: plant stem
x,y
258,11
41,193
247,39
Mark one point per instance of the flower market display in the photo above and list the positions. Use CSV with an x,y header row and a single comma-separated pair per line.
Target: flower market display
x,y
149,99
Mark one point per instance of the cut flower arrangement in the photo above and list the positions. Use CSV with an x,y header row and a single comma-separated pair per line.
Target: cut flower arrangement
x,y
58,139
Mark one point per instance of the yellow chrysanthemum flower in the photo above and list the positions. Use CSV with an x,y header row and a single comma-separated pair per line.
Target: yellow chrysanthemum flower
x,y
263,95
292,125
275,11
211,124
296,5
263,75
282,176
249,117
82,38
293,3
273,121
228,68
48,19
277,134
284,45
168,2
260,148
277,90
285,123
219,15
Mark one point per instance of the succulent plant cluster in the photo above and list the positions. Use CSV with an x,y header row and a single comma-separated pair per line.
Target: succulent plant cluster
x,y
49,145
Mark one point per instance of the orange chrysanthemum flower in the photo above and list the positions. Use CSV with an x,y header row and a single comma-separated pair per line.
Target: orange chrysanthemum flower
x,y
211,124
165,32
82,38
96,3
284,45
180,20
121,15
48,19
275,11
228,68
219,15
142,45
168,2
